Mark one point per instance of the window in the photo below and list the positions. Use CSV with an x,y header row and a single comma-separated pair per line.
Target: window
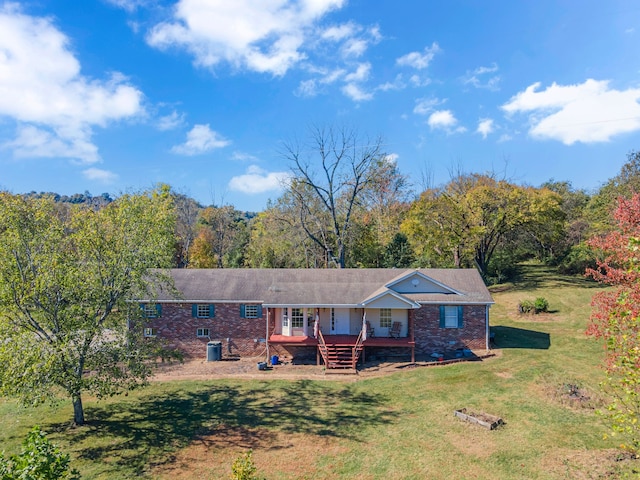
x,y
250,311
297,317
385,318
203,310
451,316
150,332
151,311
285,319
202,332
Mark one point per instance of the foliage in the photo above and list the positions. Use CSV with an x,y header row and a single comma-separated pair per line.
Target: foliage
x,y
243,468
66,283
616,317
464,223
39,460
398,253
598,212
539,305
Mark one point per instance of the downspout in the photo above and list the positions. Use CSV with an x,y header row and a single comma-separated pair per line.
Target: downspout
x,y
487,333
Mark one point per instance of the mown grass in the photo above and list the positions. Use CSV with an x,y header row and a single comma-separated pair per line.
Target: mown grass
x,y
399,426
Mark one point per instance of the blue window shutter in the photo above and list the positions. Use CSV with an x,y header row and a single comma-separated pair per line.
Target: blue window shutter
x,y
460,316
159,309
141,306
242,311
441,316
194,310
259,311
212,310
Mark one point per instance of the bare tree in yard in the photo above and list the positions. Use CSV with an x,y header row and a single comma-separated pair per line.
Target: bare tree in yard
x,y
330,177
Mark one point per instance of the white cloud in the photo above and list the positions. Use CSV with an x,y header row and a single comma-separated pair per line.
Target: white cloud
x,y
243,157
361,73
256,181
97,174
128,5
425,106
201,139
419,60
478,78
444,120
588,112
337,33
307,88
171,121
261,36
392,158
42,89
356,93
485,127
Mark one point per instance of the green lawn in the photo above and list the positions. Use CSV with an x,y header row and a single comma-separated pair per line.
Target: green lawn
x,y
399,426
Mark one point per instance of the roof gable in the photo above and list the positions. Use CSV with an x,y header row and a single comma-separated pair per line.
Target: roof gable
x,y
417,282
385,298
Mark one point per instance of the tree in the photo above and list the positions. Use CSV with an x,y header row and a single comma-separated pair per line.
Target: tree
x,y
466,221
67,281
186,211
616,317
218,228
325,201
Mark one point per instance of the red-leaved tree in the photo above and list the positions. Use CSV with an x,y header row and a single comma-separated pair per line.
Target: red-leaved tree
x,y
616,318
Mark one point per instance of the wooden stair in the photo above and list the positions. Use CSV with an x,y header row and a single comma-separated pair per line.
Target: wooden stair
x,y
340,357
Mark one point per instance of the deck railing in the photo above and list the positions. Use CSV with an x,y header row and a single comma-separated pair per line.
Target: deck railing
x,y
322,346
357,348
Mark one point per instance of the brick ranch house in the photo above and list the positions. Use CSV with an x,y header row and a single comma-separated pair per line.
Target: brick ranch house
x,y
334,315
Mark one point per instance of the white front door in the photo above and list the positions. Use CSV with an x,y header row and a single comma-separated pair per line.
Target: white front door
x,y
340,321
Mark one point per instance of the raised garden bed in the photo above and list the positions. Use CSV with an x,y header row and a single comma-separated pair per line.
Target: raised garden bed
x,y
483,419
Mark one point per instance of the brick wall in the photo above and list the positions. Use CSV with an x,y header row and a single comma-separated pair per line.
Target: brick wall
x,y
430,337
238,335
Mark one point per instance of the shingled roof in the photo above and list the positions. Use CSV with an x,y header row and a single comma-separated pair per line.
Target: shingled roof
x,y
323,287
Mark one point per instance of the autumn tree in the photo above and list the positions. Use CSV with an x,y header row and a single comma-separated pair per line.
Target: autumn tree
x,y
330,175
219,230
67,280
464,223
616,317
277,241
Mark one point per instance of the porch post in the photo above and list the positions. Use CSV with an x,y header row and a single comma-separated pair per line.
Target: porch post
x,y
412,336
266,338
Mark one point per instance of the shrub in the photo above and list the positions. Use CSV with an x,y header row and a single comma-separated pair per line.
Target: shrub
x,y
541,304
538,305
39,460
243,468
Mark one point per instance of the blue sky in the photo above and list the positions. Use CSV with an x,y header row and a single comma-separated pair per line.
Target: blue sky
x,y
117,95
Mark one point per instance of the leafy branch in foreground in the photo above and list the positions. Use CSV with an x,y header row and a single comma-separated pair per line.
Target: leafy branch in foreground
x,y
616,318
39,460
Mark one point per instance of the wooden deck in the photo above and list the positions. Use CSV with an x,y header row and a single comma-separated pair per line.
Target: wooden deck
x,y
342,340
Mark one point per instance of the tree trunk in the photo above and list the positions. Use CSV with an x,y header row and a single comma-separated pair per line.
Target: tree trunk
x,y
78,410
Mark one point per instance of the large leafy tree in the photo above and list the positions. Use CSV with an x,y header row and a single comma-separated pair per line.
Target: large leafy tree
x,y
67,278
464,223
616,316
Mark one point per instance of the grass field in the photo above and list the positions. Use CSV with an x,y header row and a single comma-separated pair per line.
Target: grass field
x,y
399,426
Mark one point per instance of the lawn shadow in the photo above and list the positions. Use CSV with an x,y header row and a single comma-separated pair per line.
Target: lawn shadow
x,y
511,337
143,433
